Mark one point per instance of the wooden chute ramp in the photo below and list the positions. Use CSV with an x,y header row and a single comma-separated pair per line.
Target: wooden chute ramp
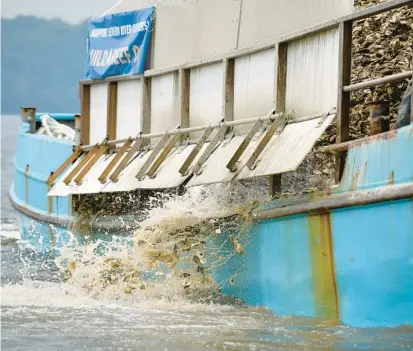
x,y
274,144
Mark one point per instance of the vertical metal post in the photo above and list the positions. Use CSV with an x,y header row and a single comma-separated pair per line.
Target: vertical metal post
x,y
184,86
280,76
411,102
343,98
274,185
85,113
112,107
78,130
280,89
28,115
146,106
228,90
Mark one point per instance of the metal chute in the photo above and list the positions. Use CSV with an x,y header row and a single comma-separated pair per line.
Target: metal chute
x,y
276,143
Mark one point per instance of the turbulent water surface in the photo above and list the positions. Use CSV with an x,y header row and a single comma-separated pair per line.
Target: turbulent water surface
x,y
101,303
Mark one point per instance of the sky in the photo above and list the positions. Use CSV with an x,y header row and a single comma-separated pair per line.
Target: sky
x,y
72,11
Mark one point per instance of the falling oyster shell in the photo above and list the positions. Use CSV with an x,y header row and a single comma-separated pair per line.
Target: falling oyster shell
x,y
186,284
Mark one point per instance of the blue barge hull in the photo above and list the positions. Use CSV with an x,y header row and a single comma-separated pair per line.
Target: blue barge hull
x,y
344,255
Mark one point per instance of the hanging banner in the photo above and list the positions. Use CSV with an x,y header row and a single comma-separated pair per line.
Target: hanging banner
x,y
118,44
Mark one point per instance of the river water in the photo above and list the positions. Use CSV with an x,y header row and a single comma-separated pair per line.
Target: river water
x,y
41,311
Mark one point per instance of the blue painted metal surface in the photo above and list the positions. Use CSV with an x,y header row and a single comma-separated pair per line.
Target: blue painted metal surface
x,y
374,263
354,264
286,265
36,157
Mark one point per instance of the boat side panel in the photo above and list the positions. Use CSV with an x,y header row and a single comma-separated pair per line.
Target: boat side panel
x,y
380,162
36,157
276,268
353,265
373,250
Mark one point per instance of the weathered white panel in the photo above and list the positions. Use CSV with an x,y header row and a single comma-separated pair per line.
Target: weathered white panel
x,y
90,183
205,105
129,109
214,170
191,29
98,112
254,85
286,151
283,153
164,103
312,74
263,20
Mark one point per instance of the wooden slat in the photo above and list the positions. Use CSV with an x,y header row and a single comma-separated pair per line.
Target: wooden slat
x,y
184,92
141,174
210,148
146,106
112,102
85,115
81,164
228,90
195,151
280,76
232,164
343,99
103,177
279,121
164,154
102,149
72,158
132,151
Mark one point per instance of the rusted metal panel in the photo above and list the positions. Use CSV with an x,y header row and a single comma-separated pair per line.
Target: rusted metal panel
x,y
323,268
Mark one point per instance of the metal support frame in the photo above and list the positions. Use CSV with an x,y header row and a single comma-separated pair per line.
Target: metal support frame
x,y
219,136
343,98
102,149
136,147
164,154
232,164
85,115
112,103
195,151
142,172
278,122
280,44
81,164
228,90
103,177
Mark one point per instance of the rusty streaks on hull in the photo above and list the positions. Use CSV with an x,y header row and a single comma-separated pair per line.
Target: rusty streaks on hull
x,y
323,267
391,179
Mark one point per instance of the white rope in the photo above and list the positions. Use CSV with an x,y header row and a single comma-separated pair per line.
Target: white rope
x,y
55,129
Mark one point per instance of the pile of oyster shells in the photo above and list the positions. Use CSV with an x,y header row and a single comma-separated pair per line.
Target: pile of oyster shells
x,y
382,45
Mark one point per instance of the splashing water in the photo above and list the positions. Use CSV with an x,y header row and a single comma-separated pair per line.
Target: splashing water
x,y
170,256
155,291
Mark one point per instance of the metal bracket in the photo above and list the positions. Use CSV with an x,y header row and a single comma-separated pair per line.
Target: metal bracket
x,y
231,165
164,154
195,151
279,122
136,147
115,160
219,137
81,164
142,172
102,149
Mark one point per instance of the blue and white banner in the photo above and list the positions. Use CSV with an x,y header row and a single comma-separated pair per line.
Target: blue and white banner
x,y
118,44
